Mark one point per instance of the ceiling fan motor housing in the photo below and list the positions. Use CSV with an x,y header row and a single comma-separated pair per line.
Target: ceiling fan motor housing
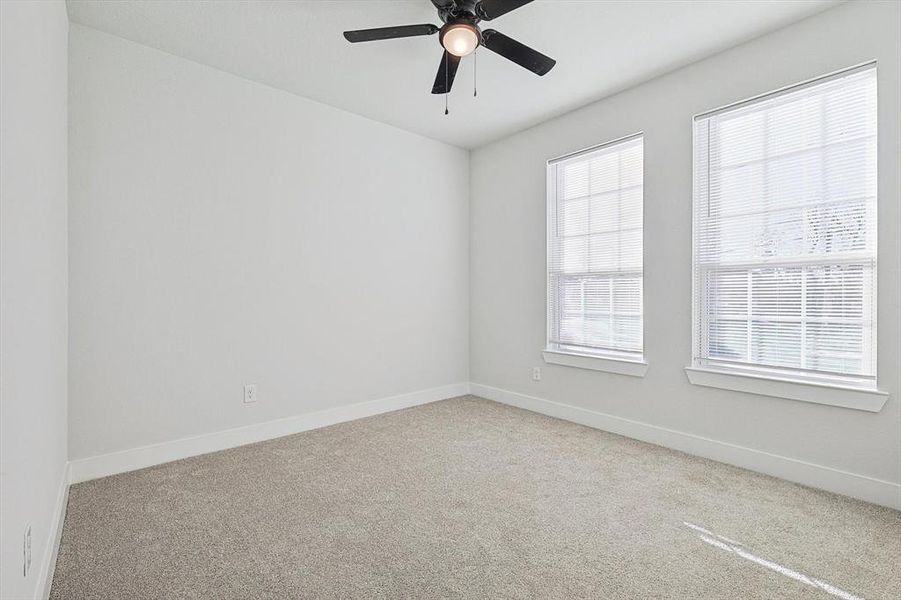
x,y
450,10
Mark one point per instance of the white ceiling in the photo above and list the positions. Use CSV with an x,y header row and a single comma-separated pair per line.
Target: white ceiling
x,y
601,47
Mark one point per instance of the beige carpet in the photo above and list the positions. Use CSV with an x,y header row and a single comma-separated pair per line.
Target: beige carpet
x,y
467,499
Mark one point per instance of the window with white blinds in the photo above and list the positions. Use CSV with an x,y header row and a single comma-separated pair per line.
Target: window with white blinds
x,y
594,258
785,233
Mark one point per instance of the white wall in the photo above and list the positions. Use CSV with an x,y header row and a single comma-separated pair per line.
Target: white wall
x,y
508,250
223,232
33,285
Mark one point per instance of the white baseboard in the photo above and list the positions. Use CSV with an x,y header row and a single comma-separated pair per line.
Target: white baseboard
x,y
865,488
147,456
862,487
51,549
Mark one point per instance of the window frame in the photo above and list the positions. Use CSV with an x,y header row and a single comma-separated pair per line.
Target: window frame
x,y
609,360
798,384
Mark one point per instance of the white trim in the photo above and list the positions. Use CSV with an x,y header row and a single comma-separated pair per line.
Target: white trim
x,y
51,549
147,456
877,491
575,153
817,393
622,366
794,87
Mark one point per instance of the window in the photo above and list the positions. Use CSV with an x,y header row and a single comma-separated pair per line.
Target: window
x,y
594,258
785,234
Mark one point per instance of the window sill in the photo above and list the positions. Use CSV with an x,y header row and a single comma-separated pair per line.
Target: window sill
x,y
621,366
817,393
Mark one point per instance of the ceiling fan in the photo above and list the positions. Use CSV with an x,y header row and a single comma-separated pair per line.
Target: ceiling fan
x,y
460,36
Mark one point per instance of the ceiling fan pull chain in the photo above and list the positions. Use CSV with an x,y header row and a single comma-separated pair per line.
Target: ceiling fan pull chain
x,y
475,70
446,91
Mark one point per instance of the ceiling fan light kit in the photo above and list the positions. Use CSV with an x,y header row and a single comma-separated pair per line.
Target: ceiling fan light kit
x,y
461,36
460,39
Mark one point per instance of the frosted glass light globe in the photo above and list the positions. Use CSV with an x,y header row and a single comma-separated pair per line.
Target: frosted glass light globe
x,y
460,40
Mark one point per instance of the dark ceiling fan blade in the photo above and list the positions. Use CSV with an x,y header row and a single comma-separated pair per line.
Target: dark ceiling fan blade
x,y
447,70
492,9
388,33
521,54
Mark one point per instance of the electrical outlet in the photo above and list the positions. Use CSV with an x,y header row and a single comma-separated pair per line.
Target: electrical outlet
x,y
536,373
26,551
250,393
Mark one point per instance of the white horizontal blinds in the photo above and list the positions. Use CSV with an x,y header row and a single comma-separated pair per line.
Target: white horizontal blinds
x,y
595,250
785,230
